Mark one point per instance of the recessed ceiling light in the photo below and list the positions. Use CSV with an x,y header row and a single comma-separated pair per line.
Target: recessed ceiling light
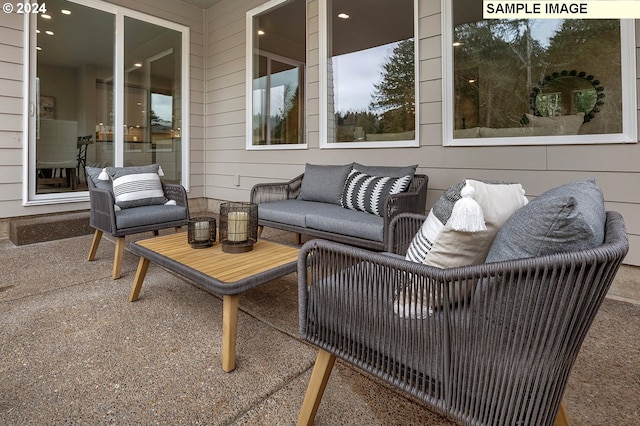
x,y
456,44
38,48
343,15
260,32
471,80
137,64
48,32
37,31
45,16
65,12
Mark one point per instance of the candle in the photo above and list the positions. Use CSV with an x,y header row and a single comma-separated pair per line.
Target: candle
x,y
237,226
201,231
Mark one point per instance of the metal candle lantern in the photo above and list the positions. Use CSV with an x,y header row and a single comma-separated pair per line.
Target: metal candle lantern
x,y
201,232
238,226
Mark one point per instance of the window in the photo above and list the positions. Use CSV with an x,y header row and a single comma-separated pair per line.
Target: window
x,y
368,74
536,81
276,43
111,95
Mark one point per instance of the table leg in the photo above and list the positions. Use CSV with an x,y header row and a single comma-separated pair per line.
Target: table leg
x,y
143,265
229,331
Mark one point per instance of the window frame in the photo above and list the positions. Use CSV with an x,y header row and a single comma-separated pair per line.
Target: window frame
x,y
29,195
250,51
629,132
324,89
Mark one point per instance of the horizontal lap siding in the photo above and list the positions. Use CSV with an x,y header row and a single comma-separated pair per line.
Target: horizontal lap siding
x,y
615,167
11,104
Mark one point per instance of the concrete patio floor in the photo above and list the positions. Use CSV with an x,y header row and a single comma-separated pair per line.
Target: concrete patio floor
x,y
74,351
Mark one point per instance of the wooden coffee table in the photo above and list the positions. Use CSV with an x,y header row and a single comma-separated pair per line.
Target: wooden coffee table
x,y
222,273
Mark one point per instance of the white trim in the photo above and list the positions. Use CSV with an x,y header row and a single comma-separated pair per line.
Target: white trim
x,y
324,119
629,132
249,53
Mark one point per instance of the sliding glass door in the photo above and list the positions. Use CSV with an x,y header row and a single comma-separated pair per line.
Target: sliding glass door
x,y
111,96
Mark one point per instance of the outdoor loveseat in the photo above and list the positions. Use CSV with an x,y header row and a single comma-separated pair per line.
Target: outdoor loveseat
x,y
492,343
351,203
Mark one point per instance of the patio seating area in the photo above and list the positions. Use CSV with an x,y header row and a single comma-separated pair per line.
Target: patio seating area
x,y
74,350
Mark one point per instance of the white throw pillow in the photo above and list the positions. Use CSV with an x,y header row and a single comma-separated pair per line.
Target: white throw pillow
x,y
438,243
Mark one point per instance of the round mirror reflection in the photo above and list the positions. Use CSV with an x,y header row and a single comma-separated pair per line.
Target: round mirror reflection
x,y
567,93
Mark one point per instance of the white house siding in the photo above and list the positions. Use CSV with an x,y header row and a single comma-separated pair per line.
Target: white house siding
x,y
616,168
11,104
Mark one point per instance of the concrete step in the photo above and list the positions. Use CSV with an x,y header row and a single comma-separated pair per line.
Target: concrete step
x,y
37,229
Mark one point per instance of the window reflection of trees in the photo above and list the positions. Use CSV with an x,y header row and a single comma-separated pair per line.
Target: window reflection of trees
x,y
497,63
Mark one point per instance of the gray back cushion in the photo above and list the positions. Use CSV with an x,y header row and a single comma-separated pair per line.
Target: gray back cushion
x,y
93,173
324,183
391,171
567,218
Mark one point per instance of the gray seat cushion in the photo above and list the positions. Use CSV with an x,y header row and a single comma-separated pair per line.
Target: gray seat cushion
x,y
323,217
343,221
292,212
149,215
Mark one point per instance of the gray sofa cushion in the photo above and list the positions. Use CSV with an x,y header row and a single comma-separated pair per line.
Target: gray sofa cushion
x,y
324,183
291,212
323,217
567,218
347,222
391,171
149,215
93,173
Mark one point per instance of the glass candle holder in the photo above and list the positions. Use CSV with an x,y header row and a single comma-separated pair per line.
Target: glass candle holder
x,y
238,226
201,232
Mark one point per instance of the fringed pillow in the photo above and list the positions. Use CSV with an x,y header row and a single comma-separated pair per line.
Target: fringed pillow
x,y
459,231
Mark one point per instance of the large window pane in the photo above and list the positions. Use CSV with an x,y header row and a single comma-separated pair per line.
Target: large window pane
x,y
72,99
277,70
524,78
369,73
152,113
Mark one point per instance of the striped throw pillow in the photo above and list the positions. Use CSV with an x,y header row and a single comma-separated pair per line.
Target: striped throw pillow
x,y
136,186
368,193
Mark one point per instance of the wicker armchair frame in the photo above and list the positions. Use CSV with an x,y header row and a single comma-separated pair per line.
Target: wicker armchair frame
x,y
413,200
502,355
102,218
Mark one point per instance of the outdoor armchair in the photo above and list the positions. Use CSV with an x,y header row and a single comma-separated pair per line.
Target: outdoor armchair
x,y
105,216
501,355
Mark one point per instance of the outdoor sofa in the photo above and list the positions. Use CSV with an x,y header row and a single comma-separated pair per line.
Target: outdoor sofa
x,y
491,343
352,203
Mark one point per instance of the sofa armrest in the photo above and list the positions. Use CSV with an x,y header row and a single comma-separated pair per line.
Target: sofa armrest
x,y
177,193
102,214
413,200
276,191
402,229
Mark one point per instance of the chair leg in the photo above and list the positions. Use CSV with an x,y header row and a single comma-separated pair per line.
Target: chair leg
x,y
117,258
156,233
298,238
94,245
561,418
317,384
260,229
